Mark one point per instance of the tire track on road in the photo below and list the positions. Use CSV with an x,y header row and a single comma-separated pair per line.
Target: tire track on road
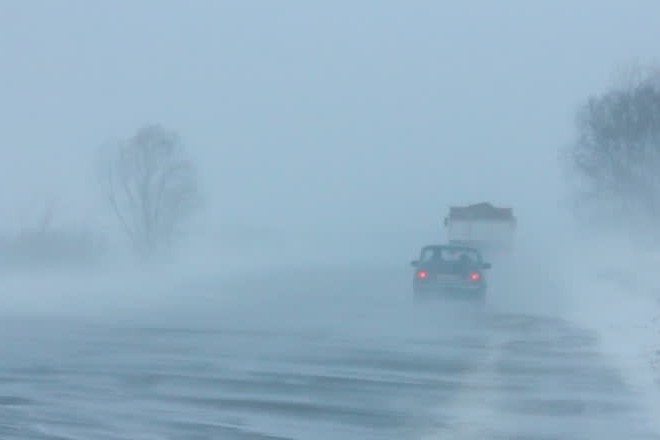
x,y
543,379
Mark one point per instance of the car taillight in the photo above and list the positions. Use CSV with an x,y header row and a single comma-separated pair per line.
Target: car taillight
x,y
422,274
475,276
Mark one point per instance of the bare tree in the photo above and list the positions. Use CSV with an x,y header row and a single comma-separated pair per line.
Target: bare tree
x,y
617,151
150,186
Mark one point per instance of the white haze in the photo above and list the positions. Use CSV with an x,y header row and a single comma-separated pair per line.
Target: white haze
x,y
338,132
324,132
361,120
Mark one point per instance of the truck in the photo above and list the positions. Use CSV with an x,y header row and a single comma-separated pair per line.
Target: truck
x,y
482,226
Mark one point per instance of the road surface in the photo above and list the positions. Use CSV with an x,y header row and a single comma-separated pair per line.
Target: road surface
x,y
317,354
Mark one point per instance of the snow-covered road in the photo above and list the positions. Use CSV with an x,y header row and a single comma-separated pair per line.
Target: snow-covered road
x,y
329,353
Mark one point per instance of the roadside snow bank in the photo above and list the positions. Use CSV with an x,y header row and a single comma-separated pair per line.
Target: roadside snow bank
x,y
614,290
125,290
112,291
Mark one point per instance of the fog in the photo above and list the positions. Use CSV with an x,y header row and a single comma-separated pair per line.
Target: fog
x,y
335,132
330,141
312,120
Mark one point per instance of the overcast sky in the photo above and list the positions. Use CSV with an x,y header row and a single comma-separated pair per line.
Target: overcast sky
x,y
332,115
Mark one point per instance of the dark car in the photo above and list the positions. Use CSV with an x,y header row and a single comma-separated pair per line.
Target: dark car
x,y
449,269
